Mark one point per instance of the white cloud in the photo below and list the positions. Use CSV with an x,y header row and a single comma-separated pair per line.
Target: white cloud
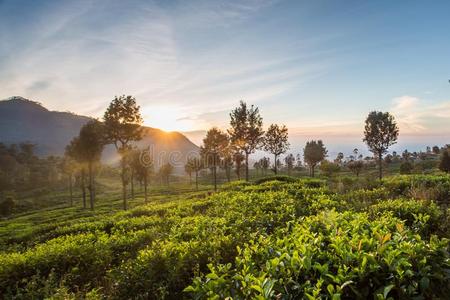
x,y
418,116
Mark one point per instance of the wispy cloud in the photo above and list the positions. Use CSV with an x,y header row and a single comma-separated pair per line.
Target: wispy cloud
x,y
417,116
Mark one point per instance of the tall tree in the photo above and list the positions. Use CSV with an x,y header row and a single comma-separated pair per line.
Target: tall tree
x,y
276,141
265,164
380,132
68,167
165,171
134,162
189,169
91,139
143,168
289,160
238,158
214,145
197,165
313,153
444,164
74,151
246,131
123,126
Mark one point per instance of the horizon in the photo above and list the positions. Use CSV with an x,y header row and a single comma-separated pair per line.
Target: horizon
x,y
319,68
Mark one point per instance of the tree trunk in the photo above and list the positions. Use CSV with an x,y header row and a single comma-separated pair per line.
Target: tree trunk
x,y
83,187
215,173
380,165
196,180
124,185
312,170
132,184
246,167
276,165
145,188
71,189
91,186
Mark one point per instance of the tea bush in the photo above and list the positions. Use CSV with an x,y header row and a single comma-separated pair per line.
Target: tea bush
x,y
333,255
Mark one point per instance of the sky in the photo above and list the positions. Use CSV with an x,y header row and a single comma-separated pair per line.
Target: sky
x,y
319,67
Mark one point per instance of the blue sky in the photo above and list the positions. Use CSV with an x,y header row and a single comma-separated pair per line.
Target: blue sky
x,y
317,66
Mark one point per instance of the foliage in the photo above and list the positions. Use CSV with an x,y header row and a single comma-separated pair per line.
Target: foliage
x,y
123,121
329,168
444,164
276,141
313,153
380,132
279,237
333,255
246,131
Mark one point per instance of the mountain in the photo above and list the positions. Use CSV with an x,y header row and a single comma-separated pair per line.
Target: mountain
x,y
23,120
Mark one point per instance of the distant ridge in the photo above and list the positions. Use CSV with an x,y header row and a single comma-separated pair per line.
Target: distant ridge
x,y
24,120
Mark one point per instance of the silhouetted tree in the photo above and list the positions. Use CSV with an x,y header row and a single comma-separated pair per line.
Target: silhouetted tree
x,y
406,167
313,153
329,168
134,162
355,166
246,131
123,126
75,151
436,150
91,139
339,158
238,158
265,164
214,144
143,168
276,141
444,164
289,160
165,171
380,133
68,167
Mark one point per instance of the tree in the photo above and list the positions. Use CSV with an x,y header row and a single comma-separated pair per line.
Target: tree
x,y
91,141
134,162
265,164
298,165
189,169
355,166
123,126
380,132
313,153
276,141
339,158
246,131
143,169
74,150
68,167
238,158
289,160
444,164
227,160
436,150
165,171
214,145
406,167
329,168
198,165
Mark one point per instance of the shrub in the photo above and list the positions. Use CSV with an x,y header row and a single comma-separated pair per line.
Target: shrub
x,y
335,256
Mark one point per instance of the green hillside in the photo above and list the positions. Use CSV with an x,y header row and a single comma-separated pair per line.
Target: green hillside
x,y
294,238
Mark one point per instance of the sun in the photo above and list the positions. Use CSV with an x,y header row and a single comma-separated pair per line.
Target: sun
x,y
167,118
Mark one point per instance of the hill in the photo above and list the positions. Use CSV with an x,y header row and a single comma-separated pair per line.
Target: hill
x,y
24,120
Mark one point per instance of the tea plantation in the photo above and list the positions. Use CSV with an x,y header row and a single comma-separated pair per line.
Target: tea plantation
x,y
279,238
